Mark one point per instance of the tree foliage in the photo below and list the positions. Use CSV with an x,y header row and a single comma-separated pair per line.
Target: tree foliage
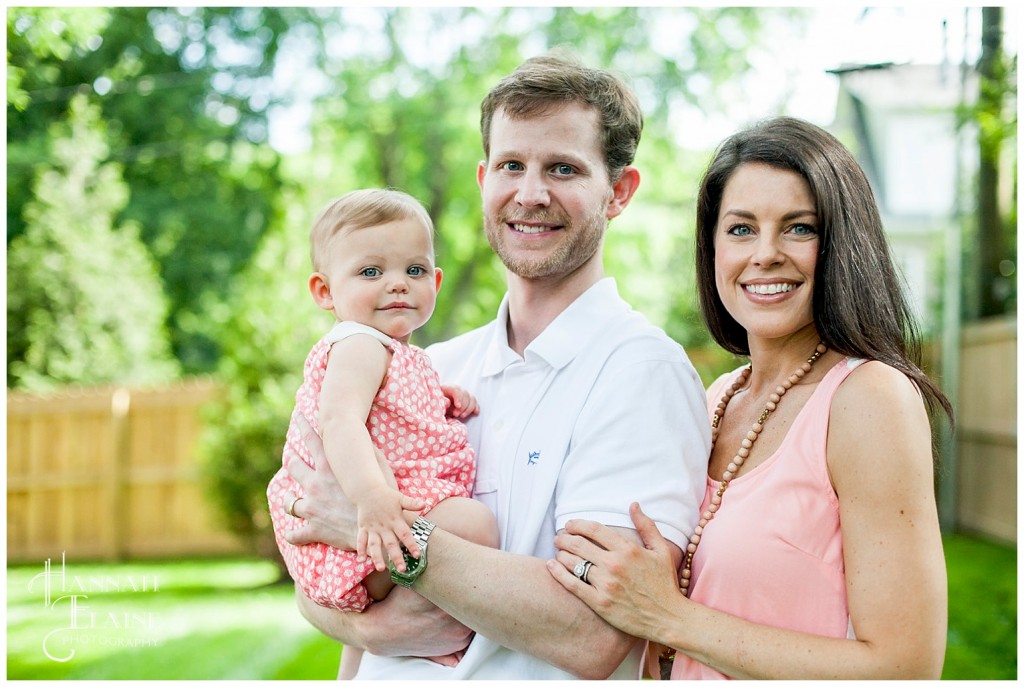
x,y
84,303
993,291
266,333
387,115
184,95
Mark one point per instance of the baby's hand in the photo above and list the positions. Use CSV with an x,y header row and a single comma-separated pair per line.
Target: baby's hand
x,y
462,403
383,530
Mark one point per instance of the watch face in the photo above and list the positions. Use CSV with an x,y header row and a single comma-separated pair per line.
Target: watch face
x,y
414,567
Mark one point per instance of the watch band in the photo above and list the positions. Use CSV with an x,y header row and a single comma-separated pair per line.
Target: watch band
x,y
414,567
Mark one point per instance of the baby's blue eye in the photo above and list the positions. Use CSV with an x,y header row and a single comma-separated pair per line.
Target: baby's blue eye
x,y
370,272
416,271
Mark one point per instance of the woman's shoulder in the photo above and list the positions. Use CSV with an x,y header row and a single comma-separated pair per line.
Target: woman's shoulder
x,y
874,394
873,381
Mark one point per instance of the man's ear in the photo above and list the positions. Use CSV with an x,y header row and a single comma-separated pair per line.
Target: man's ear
x,y
622,191
320,290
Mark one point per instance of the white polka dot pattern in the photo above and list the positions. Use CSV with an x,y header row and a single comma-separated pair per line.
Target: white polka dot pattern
x,y
429,453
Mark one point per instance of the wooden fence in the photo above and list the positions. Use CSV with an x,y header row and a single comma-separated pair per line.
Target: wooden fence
x,y
109,474
113,473
987,429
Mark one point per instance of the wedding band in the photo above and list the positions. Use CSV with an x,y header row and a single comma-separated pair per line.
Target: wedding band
x,y
581,570
291,507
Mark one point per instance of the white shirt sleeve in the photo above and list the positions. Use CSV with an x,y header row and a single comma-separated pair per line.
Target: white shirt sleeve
x,y
643,436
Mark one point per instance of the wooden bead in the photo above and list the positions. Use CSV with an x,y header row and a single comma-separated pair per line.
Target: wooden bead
x,y
745,445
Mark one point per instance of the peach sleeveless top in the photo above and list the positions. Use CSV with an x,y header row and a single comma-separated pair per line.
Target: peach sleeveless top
x,y
774,552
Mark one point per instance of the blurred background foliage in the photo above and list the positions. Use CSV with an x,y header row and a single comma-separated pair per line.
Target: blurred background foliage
x,y
154,232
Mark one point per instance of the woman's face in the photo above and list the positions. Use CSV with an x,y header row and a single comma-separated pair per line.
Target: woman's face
x,y
766,249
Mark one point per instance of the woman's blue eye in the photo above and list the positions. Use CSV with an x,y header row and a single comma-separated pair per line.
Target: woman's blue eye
x,y
804,229
740,230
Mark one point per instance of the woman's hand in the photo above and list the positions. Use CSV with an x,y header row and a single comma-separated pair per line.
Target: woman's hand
x,y
627,585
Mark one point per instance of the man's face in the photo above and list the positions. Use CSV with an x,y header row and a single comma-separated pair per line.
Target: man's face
x,y
546,193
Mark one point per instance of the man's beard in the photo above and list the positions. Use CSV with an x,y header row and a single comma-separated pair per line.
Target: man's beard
x,y
575,249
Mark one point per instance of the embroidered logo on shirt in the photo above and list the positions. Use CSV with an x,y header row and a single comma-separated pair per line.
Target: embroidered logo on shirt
x,y
534,457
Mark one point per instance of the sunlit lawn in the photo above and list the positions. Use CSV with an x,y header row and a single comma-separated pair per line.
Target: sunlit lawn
x,y
211,619
225,619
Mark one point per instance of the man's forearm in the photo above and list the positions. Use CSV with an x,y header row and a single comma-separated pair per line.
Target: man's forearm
x,y
404,624
337,625
514,601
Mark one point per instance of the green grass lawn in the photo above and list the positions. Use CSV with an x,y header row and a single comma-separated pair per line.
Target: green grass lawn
x,y
226,619
207,619
981,642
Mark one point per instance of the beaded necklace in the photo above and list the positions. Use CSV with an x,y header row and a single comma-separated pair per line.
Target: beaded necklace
x,y
742,453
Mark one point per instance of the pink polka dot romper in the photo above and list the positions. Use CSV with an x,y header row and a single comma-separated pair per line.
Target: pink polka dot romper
x,y
429,453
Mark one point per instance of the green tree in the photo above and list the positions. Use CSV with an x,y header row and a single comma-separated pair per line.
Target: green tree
x,y
994,290
267,331
386,114
84,303
185,94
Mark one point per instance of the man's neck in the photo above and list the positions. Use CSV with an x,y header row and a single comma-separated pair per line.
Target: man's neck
x,y
533,304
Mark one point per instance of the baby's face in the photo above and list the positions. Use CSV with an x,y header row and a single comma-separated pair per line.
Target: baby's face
x,y
384,276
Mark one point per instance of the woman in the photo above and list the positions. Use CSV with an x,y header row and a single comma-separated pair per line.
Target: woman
x,y
818,553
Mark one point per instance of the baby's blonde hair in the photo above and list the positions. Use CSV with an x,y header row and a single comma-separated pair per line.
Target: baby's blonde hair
x,y
361,209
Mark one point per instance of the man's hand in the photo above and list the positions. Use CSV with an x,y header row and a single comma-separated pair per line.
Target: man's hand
x,y
329,517
404,624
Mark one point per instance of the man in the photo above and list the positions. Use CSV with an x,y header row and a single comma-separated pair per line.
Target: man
x,y
585,407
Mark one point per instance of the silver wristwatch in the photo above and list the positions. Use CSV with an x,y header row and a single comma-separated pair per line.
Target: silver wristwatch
x,y
414,567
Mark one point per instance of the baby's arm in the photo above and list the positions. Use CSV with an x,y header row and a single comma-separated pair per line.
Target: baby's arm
x,y
356,366
461,404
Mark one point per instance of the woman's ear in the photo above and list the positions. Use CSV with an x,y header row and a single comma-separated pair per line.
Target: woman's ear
x,y
320,290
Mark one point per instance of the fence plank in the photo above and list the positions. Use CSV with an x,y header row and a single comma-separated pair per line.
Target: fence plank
x,y
109,473
987,429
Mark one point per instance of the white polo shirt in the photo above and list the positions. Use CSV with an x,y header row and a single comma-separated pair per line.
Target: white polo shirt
x,y
602,410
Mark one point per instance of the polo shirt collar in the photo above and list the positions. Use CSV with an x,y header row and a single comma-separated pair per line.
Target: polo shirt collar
x,y
565,337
